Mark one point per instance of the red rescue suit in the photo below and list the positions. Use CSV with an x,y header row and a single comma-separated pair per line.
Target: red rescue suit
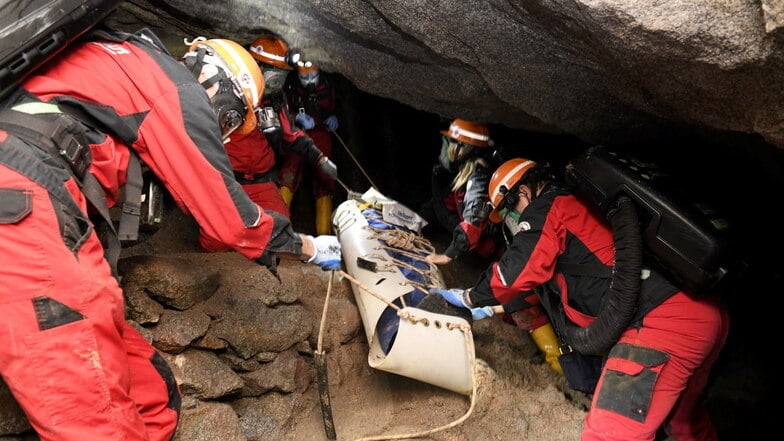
x,y
75,366
656,372
253,158
319,104
253,162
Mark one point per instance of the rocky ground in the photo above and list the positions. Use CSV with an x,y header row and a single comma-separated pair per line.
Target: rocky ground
x,y
517,397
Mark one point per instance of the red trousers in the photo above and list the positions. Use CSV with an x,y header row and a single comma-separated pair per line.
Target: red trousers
x,y
77,368
661,377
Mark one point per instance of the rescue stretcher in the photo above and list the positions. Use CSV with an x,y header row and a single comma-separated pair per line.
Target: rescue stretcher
x,y
383,253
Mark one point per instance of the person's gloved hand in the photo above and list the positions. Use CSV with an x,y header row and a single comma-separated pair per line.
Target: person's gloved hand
x,y
331,123
326,252
305,121
328,167
454,296
482,313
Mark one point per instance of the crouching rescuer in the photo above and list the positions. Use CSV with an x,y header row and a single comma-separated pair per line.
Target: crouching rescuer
x,y
658,341
70,137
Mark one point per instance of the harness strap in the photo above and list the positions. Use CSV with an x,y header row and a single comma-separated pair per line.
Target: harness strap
x,y
55,138
256,178
132,205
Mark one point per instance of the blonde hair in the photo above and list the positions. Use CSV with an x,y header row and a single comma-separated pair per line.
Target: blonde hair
x,y
467,166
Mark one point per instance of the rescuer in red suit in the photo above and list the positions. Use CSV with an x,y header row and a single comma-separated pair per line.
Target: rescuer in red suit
x,y
67,138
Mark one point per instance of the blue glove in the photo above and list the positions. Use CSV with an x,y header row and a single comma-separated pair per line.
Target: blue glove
x,y
482,313
331,123
327,252
456,297
453,296
305,121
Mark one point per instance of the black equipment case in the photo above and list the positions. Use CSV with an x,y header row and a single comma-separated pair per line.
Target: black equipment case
x,y
32,31
686,237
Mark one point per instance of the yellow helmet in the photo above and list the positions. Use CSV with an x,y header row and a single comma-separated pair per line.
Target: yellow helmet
x,y
239,67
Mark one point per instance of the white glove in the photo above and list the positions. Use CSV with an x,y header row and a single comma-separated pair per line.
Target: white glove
x,y
326,252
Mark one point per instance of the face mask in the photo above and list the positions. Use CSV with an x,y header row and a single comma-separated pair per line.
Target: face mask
x,y
273,80
443,157
228,107
511,220
309,79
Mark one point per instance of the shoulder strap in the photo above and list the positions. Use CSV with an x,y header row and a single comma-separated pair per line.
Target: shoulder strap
x,y
57,137
132,204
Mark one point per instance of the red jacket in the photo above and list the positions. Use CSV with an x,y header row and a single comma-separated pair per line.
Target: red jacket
x,y
144,99
253,153
561,229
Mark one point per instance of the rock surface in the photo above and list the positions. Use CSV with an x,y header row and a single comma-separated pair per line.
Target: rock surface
x,y
607,71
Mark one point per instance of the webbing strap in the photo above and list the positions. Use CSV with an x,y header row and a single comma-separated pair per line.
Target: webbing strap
x,y
94,193
132,206
48,136
47,128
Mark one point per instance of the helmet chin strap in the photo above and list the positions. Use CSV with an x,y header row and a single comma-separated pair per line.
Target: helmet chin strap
x,y
226,105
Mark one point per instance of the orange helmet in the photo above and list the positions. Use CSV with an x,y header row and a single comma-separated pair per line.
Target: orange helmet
x,y
239,67
274,51
307,72
469,132
306,67
505,180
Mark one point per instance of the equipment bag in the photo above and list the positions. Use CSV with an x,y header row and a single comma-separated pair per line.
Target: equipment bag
x,y
34,30
686,237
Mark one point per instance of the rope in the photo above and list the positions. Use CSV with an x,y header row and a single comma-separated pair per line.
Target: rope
x,y
406,315
322,326
321,368
402,243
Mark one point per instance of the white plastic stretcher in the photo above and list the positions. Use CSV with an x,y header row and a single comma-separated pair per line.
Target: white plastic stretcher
x,y
430,347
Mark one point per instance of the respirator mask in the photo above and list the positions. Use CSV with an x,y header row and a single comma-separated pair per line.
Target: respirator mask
x,y
443,157
268,120
269,124
273,80
511,224
228,107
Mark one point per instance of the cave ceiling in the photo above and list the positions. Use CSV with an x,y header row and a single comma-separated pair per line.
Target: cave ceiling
x,y
606,71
